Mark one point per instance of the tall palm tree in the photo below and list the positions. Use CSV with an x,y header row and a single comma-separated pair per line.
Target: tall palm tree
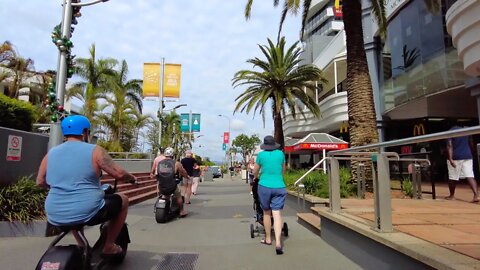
x,y
280,80
361,110
94,87
125,98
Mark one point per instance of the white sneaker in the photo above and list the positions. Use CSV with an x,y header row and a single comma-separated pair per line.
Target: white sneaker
x,y
251,193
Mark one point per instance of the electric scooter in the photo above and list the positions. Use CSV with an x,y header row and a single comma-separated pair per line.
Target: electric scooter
x,y
166,207
83,257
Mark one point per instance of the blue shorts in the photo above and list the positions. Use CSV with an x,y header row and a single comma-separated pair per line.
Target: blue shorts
x,y
271,198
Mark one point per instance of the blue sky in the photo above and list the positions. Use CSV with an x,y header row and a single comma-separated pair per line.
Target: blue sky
x,y
210,39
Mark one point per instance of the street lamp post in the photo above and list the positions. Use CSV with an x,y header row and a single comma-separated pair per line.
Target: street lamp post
x,y
61,78
160,112
229,134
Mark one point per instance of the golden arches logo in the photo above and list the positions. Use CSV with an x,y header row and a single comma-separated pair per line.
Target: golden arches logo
x,y
337,9
418,129
344,127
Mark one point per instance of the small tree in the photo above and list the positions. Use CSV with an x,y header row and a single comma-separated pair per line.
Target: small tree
x,y
245,144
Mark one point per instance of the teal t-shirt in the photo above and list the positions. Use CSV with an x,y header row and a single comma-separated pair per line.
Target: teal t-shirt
x,y
271,166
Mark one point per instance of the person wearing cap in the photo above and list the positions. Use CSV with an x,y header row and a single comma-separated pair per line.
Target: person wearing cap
x,y
269,169
72,173
188,162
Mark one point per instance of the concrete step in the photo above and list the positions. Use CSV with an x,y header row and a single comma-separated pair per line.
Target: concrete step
x,y
142,197
138,191
310,221
141,183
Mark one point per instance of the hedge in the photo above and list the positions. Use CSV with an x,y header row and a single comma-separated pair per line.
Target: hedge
x,y
16,114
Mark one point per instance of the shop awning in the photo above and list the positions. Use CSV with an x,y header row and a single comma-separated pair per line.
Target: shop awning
x,y
315,142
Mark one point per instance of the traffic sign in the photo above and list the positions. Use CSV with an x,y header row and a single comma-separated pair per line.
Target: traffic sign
x,y
14,150
224,146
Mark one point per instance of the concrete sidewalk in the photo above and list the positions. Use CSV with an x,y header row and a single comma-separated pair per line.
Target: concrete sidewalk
x,y
215,235
454,225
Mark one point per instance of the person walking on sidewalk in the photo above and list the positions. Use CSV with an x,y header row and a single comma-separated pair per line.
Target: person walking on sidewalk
x,y
250,176
460,165
187,162
269,168
196,173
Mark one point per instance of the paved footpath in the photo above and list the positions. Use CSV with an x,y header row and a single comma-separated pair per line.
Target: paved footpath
x,y
215,235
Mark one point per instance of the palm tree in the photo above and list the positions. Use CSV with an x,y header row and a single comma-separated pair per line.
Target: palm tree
x,y
125,98
94,87
361,110
280,80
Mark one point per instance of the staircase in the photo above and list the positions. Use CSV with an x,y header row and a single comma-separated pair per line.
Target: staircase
x,y
145,189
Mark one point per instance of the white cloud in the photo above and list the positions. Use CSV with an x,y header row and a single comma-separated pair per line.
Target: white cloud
x,y
211,39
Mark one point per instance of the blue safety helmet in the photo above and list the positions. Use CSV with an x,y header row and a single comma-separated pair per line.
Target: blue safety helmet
x,y
75,125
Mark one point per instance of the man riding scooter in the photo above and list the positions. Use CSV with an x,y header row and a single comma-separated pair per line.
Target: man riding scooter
x,y
72,172
167,185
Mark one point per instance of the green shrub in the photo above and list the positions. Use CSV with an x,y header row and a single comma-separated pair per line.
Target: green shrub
x,y
316,183
16,114
22,201
407,187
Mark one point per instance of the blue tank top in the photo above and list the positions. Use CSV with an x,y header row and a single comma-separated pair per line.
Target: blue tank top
x,y
75,194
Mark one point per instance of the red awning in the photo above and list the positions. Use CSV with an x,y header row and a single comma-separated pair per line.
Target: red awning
x,y
316,142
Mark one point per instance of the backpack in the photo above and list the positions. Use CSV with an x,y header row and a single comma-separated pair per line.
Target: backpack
x,y
166,176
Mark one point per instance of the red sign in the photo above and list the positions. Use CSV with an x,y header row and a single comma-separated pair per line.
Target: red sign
x,y
320,146
14,150
337,9
226,137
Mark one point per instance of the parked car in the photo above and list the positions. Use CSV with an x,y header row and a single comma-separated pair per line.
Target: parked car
x,y
216,171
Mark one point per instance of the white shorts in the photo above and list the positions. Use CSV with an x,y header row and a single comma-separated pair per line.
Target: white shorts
x,y
463,169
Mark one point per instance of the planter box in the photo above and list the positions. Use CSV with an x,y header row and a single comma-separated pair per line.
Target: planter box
x,y
16,228
463,24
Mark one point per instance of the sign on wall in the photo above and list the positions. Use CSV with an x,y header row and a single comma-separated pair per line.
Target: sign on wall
x,y
14,148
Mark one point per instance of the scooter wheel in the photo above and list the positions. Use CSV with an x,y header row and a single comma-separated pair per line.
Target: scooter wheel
x,y
161,215
252,231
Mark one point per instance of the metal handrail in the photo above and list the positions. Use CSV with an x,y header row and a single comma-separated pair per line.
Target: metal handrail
x,y
309,171
418,139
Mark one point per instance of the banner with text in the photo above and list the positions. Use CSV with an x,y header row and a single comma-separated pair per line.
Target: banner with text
x,y
171,80
151,79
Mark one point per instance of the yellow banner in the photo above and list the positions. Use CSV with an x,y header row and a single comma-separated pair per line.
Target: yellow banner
x,y
151,79
171,83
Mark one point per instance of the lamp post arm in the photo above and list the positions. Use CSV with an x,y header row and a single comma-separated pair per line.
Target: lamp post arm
x,y
88,3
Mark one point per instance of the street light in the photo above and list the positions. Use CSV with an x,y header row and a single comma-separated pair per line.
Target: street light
x,y
61,78
229,134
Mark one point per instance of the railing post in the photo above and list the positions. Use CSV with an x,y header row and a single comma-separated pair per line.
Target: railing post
x,y
417,181
361,181
334,185
381,188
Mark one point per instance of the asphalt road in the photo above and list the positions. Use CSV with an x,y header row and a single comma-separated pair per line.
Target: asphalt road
x,y
215,235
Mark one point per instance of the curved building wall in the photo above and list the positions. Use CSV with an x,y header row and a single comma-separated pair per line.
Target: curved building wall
x,y
418,57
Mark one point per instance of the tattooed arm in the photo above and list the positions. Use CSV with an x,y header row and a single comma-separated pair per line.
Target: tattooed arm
x,y
104,162
180,170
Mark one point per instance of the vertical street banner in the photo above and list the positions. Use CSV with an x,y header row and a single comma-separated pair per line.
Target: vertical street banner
x,y
171,80
185,122
224,147
226,137
151,79
195,122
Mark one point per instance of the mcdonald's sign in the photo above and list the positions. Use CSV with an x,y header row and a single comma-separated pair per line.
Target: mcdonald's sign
x,y
418,129
344,127
337,9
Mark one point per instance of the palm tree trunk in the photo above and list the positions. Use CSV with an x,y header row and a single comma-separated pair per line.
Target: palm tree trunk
x,y
361,110
278,129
